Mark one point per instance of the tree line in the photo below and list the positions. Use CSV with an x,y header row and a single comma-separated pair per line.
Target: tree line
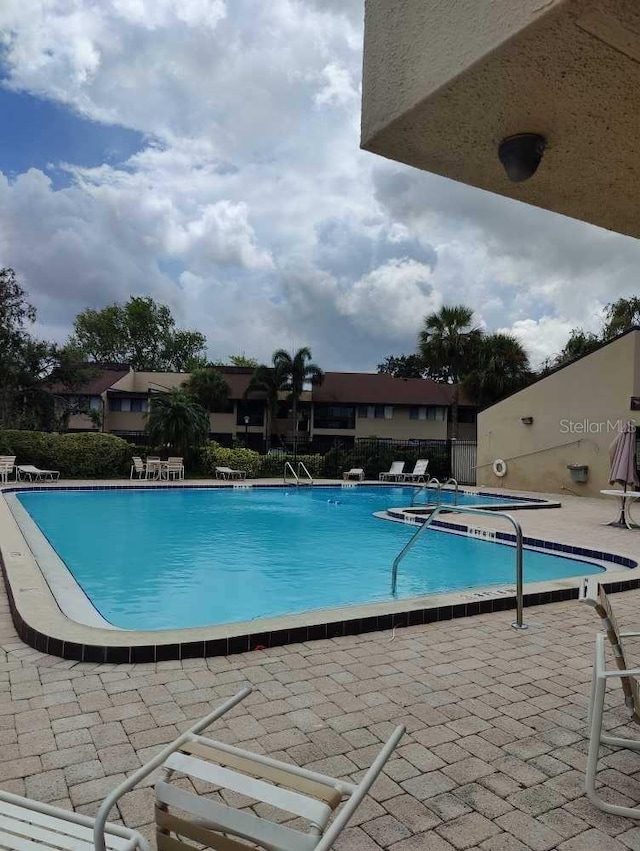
x,y
486,367
38,378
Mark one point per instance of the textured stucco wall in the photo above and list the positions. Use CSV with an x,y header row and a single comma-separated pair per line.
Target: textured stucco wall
x,y
571,410
446,80
414,47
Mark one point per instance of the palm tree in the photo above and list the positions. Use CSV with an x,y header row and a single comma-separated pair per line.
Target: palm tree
x,y
296,372
177,420
208,387
447,344
271,381
502,367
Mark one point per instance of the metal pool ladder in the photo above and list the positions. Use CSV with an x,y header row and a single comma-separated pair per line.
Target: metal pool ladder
x,y
297,476
518,623
438,486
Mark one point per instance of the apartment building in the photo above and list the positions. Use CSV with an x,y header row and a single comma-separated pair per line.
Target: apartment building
x,y
345,407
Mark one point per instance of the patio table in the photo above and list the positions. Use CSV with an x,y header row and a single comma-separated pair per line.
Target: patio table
x,y
156,469
626,498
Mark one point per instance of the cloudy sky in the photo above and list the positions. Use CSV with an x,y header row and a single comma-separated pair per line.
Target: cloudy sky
x,y
205,152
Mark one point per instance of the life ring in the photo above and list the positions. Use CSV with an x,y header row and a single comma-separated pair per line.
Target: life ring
x,y
499,468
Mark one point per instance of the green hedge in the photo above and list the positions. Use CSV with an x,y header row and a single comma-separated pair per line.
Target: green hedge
x,y
90,455
254,464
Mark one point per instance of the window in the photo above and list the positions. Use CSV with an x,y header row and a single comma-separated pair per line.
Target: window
x,y
334,416
427,412
378,412
126,405
466,415
363,412
252,408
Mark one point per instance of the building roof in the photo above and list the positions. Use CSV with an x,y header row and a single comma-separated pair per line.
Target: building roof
x,y
103,378
380,388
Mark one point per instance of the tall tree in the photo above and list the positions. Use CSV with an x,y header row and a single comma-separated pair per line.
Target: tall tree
x,y
141,333
620,316
297,370
502,367
271,381
176,419
447,344
579,343
208,387
402,366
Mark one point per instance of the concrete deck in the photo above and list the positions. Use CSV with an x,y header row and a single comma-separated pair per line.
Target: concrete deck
x,y
494,753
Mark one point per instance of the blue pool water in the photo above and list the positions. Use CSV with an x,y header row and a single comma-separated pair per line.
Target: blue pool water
x,y
170,558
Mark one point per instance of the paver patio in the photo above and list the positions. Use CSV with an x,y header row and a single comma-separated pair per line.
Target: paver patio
x,y
494,752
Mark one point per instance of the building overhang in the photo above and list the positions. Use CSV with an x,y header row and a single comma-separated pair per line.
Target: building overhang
x,y
445,82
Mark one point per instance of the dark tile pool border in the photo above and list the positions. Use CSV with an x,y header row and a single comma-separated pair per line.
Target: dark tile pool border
x,y
221,646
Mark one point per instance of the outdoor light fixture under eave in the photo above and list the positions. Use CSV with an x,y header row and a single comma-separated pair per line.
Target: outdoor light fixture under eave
x,y
521,155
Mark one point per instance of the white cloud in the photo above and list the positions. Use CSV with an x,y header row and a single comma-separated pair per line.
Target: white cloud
x,y
389,299
251,209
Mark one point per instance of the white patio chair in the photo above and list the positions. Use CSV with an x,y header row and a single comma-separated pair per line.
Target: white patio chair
x,y
7,463
394,473
354,473
28,471
27,825
138,467
594,595
174,468
186,821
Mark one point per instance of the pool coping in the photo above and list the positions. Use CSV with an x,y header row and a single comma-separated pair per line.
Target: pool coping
x,y
42,624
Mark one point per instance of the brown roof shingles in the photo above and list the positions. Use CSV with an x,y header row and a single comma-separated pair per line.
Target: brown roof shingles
x,y
378,388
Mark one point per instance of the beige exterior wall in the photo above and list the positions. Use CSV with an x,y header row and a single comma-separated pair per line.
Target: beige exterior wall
x,y
401,427
80,421
574,411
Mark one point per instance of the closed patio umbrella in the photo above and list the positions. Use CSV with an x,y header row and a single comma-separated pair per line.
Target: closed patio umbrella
x,y
623,470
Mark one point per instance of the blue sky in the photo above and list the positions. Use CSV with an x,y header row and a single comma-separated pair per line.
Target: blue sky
x,y
40,133
206,153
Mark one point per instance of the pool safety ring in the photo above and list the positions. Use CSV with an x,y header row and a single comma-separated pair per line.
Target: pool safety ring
x,y
499,468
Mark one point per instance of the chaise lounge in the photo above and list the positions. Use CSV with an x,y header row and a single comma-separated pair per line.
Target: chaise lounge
x,y
35,474
229,473
394,473
419,472
354,473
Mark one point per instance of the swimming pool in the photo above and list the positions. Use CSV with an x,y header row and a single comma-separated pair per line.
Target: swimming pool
x,y
183,557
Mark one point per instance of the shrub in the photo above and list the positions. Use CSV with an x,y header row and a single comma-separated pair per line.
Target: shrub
x,y
214,455
272,466
82,455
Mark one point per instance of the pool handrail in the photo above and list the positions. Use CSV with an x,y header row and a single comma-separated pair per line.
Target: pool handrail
x,y
460,509
425,487
303,469
287,466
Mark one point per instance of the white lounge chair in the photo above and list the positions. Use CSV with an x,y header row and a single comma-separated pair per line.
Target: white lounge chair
x,y
354,473
394,473
138,468
228,473
7,463
35,474
594,595
419,471
27,825
186,821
